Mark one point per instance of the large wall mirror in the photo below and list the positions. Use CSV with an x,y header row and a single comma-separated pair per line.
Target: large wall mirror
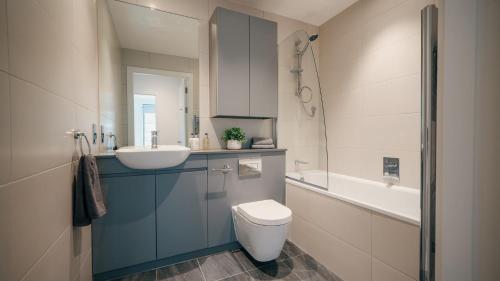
x,y
148,75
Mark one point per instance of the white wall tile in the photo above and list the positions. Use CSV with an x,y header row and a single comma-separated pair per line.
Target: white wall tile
x,y
84,120
36,210
203,37
204,99
345,221
345,161
397,244
370,73
60,13
344,260
204,69
84,24
397,96
409,162
59,263
135,58
391,132
86,269
40,122
383,272
5,143
4,44
85,78
38,51
52,72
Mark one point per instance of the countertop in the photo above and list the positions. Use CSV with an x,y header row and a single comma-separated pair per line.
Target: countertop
x,y
209,151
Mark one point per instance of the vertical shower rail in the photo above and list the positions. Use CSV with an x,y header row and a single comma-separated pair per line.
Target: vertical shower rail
x,y
429,17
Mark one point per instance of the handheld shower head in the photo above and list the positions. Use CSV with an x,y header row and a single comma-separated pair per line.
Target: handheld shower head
x,y
309,40
313,37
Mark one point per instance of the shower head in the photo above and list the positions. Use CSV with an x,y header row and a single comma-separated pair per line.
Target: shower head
x,y
313,37
309,40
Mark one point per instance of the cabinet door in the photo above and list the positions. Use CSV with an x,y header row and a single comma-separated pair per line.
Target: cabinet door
x,y
263,68
126,235
221,196
181,210
233,63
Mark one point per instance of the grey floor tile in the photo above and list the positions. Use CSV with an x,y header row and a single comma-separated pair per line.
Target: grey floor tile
x,y
274,271
185,271
308,269
291,250
247,261
315,276
240,277
143,276
303,262
221,265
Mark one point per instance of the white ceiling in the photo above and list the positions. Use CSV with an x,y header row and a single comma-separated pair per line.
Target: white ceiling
x,y
315,12
148,30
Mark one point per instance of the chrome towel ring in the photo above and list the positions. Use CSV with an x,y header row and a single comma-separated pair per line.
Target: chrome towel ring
x,y
77,135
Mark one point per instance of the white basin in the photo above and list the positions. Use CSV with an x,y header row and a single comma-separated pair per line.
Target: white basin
x,y
144,157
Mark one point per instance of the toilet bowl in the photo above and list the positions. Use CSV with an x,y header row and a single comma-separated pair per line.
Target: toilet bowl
x,y
262,227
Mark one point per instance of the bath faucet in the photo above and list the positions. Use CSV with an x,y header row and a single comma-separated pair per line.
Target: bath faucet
x,y
300,162
154,139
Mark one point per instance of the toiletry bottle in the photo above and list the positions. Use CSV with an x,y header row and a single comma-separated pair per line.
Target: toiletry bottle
x,y
196,143
190,141
206,142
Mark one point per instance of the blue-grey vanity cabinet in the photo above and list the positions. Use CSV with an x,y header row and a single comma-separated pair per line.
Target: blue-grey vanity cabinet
x,y
181,212
126,235
228,189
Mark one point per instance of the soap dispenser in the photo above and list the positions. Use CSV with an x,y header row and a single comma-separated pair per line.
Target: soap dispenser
x,y
206,142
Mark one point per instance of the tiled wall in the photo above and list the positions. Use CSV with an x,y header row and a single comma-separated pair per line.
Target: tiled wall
x,y
353,242
370,73
300,133
202,10
48,86
486,141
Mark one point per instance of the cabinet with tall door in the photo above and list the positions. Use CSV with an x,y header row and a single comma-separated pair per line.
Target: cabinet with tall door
x,y
243,66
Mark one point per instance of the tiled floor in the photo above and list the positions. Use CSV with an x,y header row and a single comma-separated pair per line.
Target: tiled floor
x,y
292,265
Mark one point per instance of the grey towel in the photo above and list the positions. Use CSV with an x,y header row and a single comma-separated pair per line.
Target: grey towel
x,y
262,141
262,146
88,199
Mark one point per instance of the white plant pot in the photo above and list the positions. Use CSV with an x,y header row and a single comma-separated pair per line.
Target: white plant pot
x,y
233,144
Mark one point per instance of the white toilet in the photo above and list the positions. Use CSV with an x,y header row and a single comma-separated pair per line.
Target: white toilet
x,y
261,228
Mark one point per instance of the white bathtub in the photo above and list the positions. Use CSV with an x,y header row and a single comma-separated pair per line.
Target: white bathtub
x,y
356,222
399,202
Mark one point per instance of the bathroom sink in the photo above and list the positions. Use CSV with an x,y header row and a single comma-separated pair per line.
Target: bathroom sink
x,y
143,157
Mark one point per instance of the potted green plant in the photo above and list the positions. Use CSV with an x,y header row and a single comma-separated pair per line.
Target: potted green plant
x,y
234,137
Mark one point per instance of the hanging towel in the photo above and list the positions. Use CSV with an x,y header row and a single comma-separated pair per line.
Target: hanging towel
x,y
88,199
262,141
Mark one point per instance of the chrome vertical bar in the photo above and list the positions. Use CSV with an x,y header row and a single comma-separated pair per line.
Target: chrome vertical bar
x,y
428,142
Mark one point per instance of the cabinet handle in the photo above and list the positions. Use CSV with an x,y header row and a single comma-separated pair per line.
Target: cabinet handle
x,y
226,169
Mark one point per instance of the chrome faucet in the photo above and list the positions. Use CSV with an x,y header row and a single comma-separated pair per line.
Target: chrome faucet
x,y
154,139
115,141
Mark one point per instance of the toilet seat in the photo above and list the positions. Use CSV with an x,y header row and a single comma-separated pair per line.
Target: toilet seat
x,y
265,212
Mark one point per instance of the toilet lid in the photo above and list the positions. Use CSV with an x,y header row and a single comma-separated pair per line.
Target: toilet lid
x,y
266,212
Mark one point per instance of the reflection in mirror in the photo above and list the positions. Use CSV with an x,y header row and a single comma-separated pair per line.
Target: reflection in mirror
x,y
148,75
